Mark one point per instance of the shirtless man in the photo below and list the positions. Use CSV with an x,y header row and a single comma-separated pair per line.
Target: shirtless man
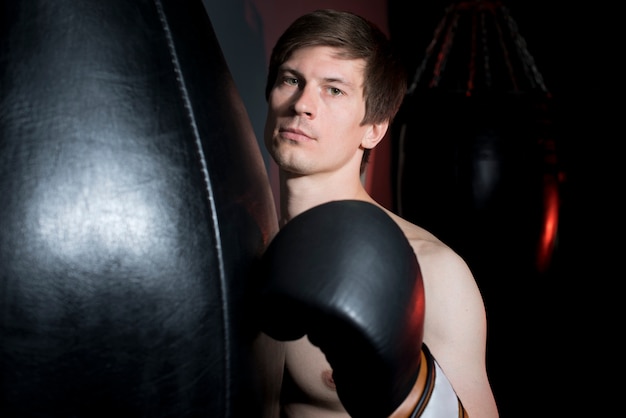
x,y
333,89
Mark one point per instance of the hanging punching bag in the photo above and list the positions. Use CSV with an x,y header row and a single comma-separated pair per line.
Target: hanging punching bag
x,y
134,204
474,143
473,170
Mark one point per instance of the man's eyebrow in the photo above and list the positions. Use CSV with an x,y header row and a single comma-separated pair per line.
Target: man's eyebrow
x,y
338,80
289,70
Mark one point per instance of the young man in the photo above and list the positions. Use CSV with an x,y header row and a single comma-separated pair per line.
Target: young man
x,y
333,88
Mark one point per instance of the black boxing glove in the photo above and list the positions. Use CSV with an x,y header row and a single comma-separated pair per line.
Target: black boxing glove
x,y
344,274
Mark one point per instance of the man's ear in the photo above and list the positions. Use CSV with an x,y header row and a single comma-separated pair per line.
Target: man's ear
x,y
374,134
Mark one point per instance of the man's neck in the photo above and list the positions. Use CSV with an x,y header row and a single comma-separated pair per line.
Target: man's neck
x,y
299,194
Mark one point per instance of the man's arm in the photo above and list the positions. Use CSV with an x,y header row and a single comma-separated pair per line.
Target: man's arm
x,y
456,331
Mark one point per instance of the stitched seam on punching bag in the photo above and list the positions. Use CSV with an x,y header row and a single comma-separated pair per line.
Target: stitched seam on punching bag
x,y
185,96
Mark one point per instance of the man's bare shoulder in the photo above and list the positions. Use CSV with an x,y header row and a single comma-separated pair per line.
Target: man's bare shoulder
x,y
436,259
423,241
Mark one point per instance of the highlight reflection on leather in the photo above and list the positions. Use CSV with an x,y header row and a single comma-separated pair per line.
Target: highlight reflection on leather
x,y
134,202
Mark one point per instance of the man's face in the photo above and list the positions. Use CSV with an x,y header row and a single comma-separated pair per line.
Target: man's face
x,y
314,113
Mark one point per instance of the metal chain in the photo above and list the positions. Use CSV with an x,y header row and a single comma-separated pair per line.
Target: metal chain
x,y
530,68
446,32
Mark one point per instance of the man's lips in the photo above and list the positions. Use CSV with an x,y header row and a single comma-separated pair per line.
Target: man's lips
x,y
295,134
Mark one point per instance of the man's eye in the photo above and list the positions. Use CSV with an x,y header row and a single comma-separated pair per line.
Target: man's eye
x,y
335,91
291,81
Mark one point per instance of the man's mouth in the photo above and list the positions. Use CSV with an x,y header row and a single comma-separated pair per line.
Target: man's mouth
x,y
295,134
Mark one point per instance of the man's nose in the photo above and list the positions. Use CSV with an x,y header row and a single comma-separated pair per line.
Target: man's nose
x,y
305,101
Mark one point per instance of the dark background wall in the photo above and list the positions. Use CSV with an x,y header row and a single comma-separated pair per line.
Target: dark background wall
x,y
546,350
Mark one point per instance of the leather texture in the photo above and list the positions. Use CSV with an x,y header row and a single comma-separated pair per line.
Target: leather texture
x,y
134,205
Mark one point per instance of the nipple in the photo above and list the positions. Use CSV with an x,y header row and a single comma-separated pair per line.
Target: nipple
x,y
327,378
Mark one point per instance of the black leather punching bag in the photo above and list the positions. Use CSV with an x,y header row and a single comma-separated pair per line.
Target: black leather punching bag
x,y
134,201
